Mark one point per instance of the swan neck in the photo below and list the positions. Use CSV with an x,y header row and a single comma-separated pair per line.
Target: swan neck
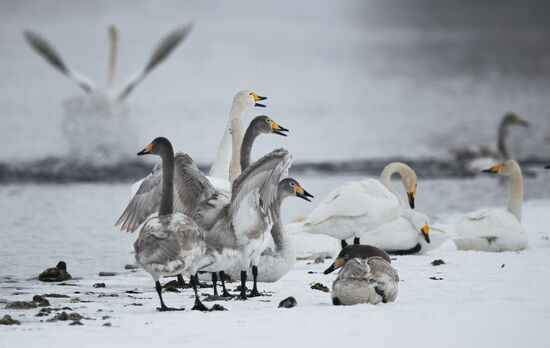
x,y
516,194
385,179
277,232
501,140
246,146
167,195
220,168
112,56
235,167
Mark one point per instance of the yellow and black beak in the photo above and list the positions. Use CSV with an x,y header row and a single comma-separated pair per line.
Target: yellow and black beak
x,y
303,194
426,233
339,262
277,128
412,196
521,121
494,169
147,150
258,98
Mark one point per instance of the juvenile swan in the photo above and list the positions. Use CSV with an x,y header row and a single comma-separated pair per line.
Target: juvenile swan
x,y
171,243
367,276
495,229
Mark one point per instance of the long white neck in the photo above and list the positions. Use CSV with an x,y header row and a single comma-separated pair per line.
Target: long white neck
x,y
385,178
516,193
237,134
220,168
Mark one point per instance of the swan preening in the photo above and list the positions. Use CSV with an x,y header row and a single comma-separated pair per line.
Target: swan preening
x,y
496,229
366,276
96,126
477,160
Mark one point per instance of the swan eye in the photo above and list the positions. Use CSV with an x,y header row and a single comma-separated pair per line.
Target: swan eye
x,y
291,184
346,256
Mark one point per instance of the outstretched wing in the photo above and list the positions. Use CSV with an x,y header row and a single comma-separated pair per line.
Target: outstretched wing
x,y
46,50
256,187
163,50
190,187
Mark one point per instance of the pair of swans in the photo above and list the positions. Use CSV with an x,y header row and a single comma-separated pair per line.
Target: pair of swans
x,y
371,211
476,161
98,123
366,276
496,229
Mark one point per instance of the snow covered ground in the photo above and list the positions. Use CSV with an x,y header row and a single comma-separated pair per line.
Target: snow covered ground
x,y
482,299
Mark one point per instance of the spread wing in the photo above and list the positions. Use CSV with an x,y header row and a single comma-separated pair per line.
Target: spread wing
x,y
163,50
256,188
48,52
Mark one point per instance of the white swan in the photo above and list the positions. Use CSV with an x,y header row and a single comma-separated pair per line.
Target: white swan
x,y
243,101
495,229
97,126
350,210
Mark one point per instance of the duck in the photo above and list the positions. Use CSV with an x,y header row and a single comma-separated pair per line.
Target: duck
x,y
171,243
146,200
366,276
55,274
477,160
353,208
242,226
496,230
280,255
243,101
101,115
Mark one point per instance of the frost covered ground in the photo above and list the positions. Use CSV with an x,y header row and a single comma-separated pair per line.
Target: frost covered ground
x,y
482,299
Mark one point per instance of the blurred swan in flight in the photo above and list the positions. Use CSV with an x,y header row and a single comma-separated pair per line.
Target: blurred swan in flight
x,y
477,160
97,126
171,243
366,276
353,208
496,229
146,200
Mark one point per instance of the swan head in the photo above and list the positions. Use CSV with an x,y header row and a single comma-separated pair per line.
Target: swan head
x,y
159,146
420,223
410,182
511,118
351,252
264,124
290,187
506,168
246,100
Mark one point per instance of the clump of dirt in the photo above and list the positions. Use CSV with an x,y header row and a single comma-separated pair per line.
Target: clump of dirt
x,y
8,320
438,262
319,259
40,301
436,278
107,324
99,285
107,274
216,308
56,274
210,298
55,295
320,287
21,305
64,316
108,295
130,266
44,312
288,302
76,322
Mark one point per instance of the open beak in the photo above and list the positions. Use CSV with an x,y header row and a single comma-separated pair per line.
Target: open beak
x,y
494,169
258,98
277,128
339,262
147,150
303,194
425,232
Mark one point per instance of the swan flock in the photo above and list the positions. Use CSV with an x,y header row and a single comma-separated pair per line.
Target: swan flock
x,y
227,224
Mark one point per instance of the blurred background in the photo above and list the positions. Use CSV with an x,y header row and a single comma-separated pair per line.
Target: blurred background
x,y
352,80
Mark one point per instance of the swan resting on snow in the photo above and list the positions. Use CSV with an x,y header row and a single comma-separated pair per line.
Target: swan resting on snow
x,y
353,208
366,276
496,229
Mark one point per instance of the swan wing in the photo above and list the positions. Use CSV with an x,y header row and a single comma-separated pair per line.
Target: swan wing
x,y
48,52
161,52
255,190
487,223
366,197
